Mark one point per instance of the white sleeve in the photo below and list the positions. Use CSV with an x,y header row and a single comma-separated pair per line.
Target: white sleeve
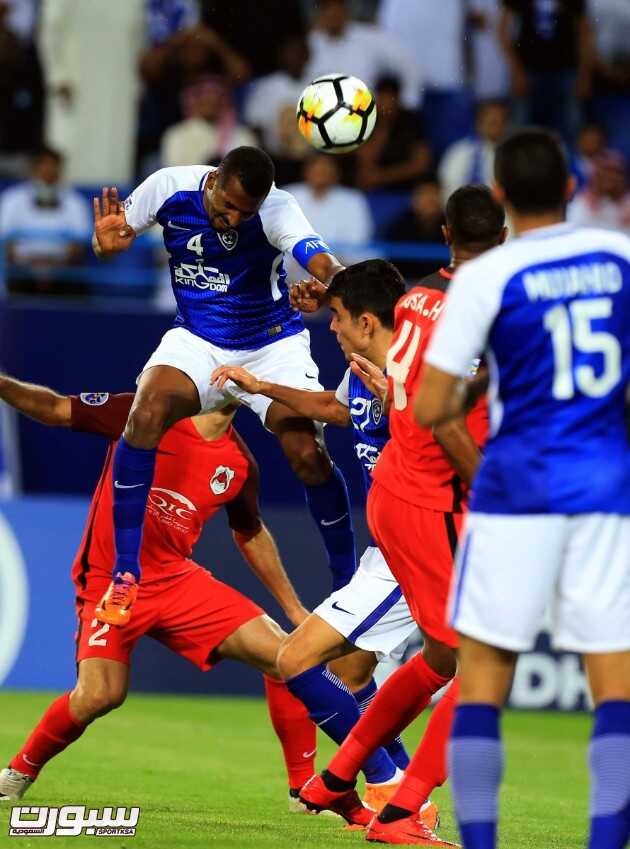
x,y
287,228
144,203
461,334
343,390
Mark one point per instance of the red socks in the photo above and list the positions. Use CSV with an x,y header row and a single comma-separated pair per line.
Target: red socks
x,y
428,768
55,730
403,697
295,730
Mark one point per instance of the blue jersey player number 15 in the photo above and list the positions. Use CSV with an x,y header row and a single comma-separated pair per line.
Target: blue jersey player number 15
x,y
226,230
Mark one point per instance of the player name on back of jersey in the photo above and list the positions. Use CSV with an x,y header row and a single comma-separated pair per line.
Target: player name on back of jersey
x,y
417,302
592,278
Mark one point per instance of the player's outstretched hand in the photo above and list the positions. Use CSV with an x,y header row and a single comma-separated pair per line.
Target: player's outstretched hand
x,y
307,295
240,376
370,375
112,232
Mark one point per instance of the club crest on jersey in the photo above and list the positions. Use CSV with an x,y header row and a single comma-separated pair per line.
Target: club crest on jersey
x,y
377,411
94,399
221,479
228,238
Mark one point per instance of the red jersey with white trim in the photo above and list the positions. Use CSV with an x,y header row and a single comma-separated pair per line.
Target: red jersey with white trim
x,y
194,478
413,465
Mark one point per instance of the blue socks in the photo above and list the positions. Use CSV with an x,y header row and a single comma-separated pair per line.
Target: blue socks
x,y
333,708
396,749
132,476
476,769
330,508
609,757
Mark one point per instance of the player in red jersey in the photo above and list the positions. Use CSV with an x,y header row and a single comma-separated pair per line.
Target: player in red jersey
x,y
415,511
202,465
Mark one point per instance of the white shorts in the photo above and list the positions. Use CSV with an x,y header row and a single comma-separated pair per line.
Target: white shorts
x,y
371,611
287,361
510,570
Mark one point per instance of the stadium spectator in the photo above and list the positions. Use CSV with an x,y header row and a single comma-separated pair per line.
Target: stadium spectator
x,y
45,226
21,17
21,96
396,156
340,214
472,160
590,143
490,76
255,27
269,96
209,132
337,43
434,33
611,104
91,68
606,200
549,50
421,222
293,149
176,60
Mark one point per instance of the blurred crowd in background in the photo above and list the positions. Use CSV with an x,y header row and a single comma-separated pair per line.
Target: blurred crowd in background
x,y
96,94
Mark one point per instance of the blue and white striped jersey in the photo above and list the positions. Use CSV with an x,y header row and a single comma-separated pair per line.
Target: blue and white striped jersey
x,y
369,423
551,312
230,285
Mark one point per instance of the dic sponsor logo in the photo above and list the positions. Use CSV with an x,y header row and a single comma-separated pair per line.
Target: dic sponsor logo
x,y
171,507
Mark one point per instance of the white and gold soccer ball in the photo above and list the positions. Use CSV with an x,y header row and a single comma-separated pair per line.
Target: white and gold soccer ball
x,y
336,113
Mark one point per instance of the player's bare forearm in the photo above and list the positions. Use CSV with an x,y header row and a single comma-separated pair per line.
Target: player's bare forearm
x,y
324,266
460,448
261,553
37,402
440,397
317,406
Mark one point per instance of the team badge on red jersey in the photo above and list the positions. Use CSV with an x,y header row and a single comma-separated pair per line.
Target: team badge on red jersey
x,y
94,399
221,479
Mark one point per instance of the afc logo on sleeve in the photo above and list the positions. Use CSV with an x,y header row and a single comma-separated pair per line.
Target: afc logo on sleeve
x,y
94,399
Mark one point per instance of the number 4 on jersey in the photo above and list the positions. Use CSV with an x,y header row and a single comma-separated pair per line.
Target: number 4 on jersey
x,y
194,244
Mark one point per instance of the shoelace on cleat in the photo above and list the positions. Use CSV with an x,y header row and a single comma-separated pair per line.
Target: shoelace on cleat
x,y
120,593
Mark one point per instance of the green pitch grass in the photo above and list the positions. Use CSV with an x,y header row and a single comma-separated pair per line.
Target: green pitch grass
x,y
208,772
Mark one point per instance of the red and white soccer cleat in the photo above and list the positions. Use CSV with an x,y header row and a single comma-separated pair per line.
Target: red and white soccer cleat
x,y
115,606
317,798
409,831
13,784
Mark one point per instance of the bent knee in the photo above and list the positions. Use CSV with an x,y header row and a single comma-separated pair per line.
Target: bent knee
x,y
148,421
440,657
290,660
97,701
308,459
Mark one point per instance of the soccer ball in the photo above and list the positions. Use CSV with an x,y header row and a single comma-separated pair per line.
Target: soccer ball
x,y
336,113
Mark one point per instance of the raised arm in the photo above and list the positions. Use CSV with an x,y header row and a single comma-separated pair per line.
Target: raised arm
x,y
112,234
317,406
38,402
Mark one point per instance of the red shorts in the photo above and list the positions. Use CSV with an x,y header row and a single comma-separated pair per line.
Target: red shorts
x,y
192,614
419,546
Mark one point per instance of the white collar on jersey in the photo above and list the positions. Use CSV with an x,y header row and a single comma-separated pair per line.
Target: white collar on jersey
x,y
549,230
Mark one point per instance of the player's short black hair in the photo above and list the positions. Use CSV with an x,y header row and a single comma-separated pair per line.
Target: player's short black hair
x,y
475,217
373,285
531,167
252,166
44,151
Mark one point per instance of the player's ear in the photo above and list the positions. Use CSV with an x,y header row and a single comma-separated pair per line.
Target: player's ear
x,y
504,235
446,234
570,189
498,193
